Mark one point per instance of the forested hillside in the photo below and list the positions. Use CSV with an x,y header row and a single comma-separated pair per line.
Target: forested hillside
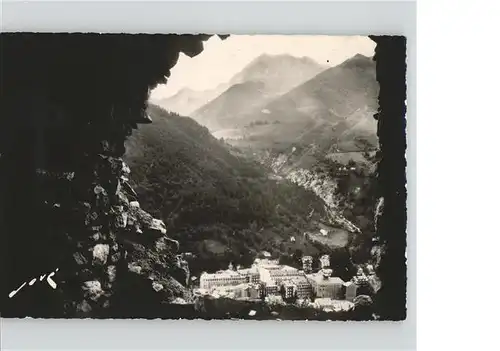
x,y
219,206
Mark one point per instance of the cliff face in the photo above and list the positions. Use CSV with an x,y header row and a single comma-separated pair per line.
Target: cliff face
x,y
68,103
322,185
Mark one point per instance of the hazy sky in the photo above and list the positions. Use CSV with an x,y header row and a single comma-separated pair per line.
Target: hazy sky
x,y
222,59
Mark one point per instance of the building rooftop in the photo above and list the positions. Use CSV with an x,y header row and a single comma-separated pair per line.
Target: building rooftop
x,y
271,282
320,279
277,270
253,270
221,274
296,280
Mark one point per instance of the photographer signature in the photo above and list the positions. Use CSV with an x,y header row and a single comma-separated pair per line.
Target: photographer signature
x,y
49,280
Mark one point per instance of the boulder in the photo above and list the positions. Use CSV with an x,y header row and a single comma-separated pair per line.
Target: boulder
x,y
118,187
123,220
134,268
157,286
122,198
92,289
84,307
99,190
125,168
100,254
115,257
165,243
80,258
111,273
158,225
129,190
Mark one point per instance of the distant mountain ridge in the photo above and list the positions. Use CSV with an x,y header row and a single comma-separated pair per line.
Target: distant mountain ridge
x,y
268,69
187,100
333,110
263,79
278,73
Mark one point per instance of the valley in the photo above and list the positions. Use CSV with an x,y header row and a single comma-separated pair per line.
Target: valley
x,y
265,165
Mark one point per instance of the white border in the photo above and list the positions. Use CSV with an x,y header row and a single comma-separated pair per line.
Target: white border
x,y
339,18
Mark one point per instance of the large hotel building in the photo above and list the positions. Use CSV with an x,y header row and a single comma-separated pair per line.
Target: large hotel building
x,y
324,285
277,279
229,277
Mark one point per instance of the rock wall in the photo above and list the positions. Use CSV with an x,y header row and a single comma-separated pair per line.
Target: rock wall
x,y
322,185
390,249
68,103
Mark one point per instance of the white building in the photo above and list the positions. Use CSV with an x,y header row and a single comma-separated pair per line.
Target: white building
x,y
221,278
301,287
278,273
271,288
307,263
324,261
251,274
324,285
350,291
265,262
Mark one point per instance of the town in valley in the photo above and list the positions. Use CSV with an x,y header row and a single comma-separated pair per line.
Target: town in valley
x,y
278,284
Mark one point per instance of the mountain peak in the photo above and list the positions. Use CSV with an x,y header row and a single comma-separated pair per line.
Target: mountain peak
x,y
360,57
263,58
358,60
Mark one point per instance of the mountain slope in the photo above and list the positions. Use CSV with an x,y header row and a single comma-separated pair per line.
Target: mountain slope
x,y
187,100
259,82
322,137
217,205
333,110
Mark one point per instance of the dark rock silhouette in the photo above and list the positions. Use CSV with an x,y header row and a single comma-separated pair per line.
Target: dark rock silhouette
x,y
68,103
390,248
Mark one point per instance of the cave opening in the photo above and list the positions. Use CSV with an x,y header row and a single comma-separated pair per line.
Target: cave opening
x,y
69,101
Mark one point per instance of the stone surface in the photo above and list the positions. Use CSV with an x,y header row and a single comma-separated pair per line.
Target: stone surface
x,y
125,168
92,290
111,273
165,243
99,190
157,224
129,189
80,258
134,268
115,257
157,286
84,307
81,168
100,254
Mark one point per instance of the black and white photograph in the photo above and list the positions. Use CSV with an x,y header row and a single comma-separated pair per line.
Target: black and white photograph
x,y
203,176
